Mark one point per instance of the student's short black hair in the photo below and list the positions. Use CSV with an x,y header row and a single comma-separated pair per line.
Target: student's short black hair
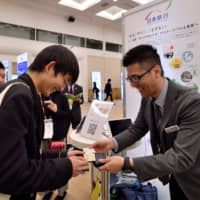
x,y
66,62
109,80
142,54
2,66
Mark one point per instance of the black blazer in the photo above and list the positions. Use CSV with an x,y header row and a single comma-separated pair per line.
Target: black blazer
x,y
108,88
61,118
21,124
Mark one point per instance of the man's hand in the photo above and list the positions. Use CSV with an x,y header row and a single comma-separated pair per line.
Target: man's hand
x,y
112,164
53,107
74,153
103,146
79,165
77,99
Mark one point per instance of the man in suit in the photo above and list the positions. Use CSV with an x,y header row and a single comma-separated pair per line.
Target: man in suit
x,y
75,110
24,169
172,115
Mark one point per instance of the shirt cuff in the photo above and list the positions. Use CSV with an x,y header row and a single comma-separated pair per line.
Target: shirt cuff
x,y
116,145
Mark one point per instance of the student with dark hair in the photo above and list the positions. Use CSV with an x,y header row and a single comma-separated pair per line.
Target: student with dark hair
x,y
108,90
2,74
171,113
23,172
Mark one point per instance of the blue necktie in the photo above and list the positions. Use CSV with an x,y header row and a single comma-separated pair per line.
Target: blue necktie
x,y
70,91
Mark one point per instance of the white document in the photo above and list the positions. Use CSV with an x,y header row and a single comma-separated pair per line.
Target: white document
x,y
93,127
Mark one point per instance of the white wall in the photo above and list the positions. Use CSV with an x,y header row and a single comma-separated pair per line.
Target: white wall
x,y
15,46
16,13
12,11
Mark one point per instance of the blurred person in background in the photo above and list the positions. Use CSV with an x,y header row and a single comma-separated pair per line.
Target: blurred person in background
x,y
75,108
95,90
2,74
108,90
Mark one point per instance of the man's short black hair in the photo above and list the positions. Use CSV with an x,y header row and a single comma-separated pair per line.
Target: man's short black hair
x,y
142,54
109,80
66,62
2,66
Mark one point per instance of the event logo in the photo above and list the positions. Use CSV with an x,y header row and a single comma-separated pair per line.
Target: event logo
x,y
152,18
186,76
168,51
176,64
187,56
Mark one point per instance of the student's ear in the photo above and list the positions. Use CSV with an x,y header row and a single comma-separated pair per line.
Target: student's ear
x,y
50,66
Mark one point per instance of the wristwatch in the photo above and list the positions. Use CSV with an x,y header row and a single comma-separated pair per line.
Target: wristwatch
x,y
127,165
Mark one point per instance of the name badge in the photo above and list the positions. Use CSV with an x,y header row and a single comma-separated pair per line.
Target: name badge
x,y
172,129
48,129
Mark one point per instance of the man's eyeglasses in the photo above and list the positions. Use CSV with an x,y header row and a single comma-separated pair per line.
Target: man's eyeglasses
x,y
136,78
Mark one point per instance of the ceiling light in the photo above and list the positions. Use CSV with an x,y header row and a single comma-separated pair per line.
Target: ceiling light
x,y
79,5
111,13
115,0
142,1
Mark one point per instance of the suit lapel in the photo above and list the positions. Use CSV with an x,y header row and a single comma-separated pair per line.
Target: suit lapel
x,y
169,106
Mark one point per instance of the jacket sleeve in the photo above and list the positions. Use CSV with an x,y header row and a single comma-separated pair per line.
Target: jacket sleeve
x,y
184,153
19,173
63,107
136,131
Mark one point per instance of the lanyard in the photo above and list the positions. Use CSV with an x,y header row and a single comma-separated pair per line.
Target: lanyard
x,y
42,104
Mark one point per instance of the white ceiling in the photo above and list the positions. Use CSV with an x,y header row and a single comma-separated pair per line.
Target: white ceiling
x,y
87,15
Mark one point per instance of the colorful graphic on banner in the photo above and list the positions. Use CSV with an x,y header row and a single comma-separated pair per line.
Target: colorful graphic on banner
x,y
187,56
176,64
186,76
168,51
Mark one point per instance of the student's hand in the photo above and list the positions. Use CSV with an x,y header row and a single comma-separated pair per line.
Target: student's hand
x,y
53,107
74,153
103,146
79,165
112,164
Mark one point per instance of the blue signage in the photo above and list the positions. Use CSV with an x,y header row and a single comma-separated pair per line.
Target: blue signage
x,y
22,68
22,64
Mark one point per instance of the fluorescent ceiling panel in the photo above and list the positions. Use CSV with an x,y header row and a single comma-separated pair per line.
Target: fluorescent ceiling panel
x,y
79,4
111,13
142,1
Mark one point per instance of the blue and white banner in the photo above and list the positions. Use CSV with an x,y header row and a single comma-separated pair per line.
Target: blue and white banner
x,y
22,64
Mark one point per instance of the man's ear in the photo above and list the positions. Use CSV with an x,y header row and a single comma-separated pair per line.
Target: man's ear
x,y
50,66
157,69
